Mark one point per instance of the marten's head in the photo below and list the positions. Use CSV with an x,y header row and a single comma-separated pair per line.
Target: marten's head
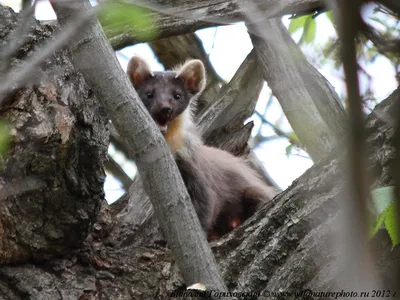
x,y
166,95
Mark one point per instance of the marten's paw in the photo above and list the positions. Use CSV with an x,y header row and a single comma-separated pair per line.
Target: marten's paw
x,y
253,199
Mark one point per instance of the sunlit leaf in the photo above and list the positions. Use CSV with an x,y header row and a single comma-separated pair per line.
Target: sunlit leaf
x,y
296,24
293,137
382,198
392,223
289,150
329,14
310,30
384,202
120,16
378,225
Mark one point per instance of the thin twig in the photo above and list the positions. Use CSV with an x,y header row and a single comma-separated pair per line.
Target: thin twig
x,y
213,44
381,43
20,76
278,131
17,37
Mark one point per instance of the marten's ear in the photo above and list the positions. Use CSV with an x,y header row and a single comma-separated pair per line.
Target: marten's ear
x,y
138,71
193,75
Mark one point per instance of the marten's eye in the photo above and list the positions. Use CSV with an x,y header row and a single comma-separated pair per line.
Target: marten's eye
x,y
149,95
177,96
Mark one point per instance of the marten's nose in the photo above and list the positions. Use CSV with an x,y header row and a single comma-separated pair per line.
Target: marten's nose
x,y
166,110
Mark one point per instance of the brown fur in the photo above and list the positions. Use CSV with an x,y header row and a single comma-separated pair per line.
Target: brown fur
x,y
174,137
235,190
223,189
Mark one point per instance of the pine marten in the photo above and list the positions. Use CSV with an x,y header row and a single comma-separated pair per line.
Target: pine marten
x,y
223,189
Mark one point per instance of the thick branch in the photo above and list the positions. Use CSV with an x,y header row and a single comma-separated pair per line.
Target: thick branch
x,y
51,179
147,147
221,122
185,16
308,100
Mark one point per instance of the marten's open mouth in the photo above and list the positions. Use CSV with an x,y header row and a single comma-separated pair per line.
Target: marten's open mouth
x,y
163,127
162,122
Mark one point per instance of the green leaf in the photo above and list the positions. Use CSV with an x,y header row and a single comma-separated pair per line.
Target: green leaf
x,y
296,24
382,198
384,202
293,137
289,150
329,14
378,225
392,224
120,17
310,30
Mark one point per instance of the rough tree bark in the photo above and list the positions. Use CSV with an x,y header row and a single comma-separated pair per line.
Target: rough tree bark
x,y
52,176
308,100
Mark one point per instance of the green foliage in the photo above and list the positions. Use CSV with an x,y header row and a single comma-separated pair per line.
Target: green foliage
x,y
382,198
385,205
289,150
392,223
309,26
294,139
378,224
294,143
329,14
120,17
296,24
310,31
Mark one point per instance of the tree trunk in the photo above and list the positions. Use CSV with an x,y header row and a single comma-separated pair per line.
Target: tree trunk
x,y
52,177
308,100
